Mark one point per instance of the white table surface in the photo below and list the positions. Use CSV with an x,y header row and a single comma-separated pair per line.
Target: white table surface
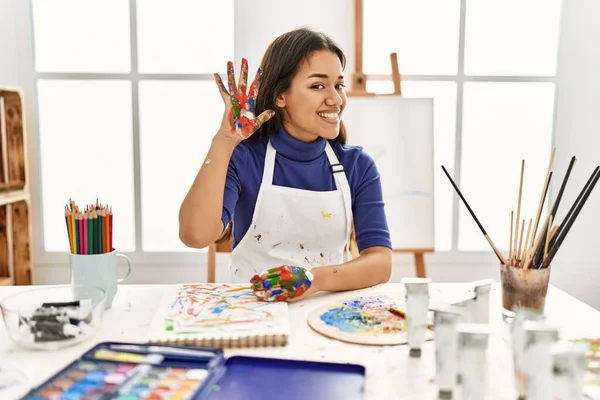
x,y
390,372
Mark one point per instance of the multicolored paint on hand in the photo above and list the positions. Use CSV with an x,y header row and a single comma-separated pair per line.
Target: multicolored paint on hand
x,y
281,283
242,117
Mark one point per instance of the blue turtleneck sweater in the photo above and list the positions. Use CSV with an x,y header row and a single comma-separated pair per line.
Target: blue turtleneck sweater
x,y
305,166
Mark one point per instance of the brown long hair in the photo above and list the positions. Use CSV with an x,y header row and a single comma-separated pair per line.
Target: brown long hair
x,y
280,64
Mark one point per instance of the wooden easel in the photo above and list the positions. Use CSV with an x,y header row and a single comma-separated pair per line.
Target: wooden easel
x,y
359,88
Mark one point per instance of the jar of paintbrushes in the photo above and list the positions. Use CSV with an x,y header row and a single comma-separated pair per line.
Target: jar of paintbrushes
x,y
525,274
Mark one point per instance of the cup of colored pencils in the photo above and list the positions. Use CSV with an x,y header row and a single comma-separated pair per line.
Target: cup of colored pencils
x,y
525,273
90,230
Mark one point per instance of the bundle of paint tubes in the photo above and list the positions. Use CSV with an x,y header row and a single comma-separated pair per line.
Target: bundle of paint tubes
x,y
544,365
50,322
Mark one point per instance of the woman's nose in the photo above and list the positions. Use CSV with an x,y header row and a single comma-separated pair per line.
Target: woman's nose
x,y
333,99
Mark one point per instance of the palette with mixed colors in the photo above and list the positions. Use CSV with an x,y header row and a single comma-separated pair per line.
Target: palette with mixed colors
x,y
106,374
375,320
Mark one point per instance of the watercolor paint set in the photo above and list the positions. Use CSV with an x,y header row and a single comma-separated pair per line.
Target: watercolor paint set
x,y
132,371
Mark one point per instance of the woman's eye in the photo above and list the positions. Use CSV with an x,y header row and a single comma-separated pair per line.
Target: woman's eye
x,y
319,86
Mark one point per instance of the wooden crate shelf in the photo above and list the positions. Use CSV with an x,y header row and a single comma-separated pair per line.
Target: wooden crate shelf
x,y
6,282
16,266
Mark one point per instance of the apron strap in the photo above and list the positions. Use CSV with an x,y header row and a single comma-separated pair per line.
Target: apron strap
x,y
342,184
267,179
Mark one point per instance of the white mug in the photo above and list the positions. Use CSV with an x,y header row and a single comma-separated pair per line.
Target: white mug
x,y
98,270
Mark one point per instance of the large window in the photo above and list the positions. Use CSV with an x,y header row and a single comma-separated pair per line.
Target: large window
x,y
127,108
127,103
491,68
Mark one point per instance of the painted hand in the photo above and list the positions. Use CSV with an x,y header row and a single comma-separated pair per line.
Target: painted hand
x,y
282,283
239,105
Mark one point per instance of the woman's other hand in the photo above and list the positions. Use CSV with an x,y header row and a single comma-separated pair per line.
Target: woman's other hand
x,y
239,120
283,283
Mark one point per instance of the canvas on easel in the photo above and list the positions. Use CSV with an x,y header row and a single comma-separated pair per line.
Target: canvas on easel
x,y
397,133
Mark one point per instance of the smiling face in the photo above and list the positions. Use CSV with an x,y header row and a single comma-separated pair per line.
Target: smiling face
x,y
312,107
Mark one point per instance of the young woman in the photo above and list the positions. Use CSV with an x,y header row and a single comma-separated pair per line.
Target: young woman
x,y
279,170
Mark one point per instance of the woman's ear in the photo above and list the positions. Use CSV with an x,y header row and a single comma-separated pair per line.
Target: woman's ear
x,y
280,101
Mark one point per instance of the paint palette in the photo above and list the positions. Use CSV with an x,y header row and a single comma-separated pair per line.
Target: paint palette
x,y
128,371
373,320
91,381
136,373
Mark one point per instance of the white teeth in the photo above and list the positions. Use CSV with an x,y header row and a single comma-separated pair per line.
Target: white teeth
x,y
329,115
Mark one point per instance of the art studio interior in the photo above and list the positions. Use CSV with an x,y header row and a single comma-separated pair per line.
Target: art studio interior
x,y
327,199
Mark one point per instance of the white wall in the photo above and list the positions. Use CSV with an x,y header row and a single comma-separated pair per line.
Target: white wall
x,y
577,267
16,70
9,70
276,17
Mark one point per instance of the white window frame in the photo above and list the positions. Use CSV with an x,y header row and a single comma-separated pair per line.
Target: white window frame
x,y
138,257
460,78
195,259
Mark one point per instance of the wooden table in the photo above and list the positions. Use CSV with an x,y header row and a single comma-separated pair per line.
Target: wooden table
x,y
391,373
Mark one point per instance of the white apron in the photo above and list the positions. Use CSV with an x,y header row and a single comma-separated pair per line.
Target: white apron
x,y
295,227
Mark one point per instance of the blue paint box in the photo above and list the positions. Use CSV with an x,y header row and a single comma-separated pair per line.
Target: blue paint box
x,y
133,371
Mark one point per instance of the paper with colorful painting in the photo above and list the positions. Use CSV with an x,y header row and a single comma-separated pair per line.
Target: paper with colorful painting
x,y
375,320
219,314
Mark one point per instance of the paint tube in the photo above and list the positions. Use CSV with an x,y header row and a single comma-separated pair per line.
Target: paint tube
x,y
477,305
480,305
476,308
518,344
539,337
569,365
446,318
417,304
472,352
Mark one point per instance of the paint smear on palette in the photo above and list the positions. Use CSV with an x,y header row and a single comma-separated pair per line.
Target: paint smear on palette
x,y
365,315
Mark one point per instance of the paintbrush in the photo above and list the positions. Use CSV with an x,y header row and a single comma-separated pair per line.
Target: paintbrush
x,y
579,197
398,311
165,350
516,260
567,223
543,197
402,314
496,251
538,256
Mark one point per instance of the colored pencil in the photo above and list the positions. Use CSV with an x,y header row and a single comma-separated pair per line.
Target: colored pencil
x,y
69,232
91,234
89,229
110,229
100,233
106,243
85,234
77,248
73,237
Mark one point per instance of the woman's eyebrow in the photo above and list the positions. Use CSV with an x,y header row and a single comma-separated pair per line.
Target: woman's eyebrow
x,y
322,76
